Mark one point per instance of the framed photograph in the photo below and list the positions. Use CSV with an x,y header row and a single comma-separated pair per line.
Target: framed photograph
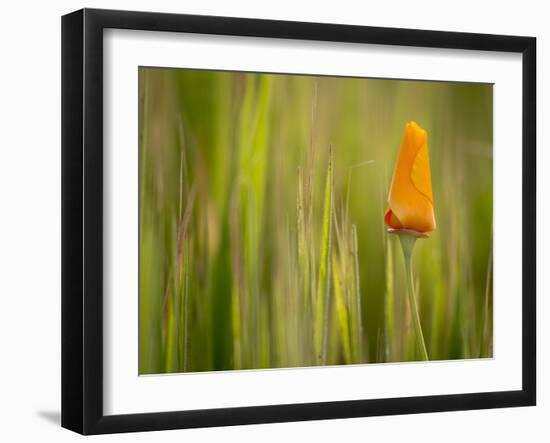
x,y
269,221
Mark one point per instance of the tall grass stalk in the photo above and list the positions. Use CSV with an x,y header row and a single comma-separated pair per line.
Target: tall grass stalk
x,y
185,363
485,340
355,302
341,311
323,285
407,244
389,300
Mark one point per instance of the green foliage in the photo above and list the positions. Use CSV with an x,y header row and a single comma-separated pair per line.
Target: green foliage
x,y
262,247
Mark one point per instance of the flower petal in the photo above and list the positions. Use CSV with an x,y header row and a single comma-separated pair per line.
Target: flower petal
x,y
420,173
391,220
410,201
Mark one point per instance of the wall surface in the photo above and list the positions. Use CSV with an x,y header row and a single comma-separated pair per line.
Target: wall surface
x,y
30,281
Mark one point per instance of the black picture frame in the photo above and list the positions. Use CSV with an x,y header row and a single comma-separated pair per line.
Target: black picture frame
x,y
82,220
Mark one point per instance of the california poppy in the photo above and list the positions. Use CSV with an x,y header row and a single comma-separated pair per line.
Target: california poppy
x,y
410,203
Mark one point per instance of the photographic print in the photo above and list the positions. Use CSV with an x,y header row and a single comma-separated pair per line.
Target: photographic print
x,y
301,220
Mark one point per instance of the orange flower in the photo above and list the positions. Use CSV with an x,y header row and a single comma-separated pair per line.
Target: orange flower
x,y
410,203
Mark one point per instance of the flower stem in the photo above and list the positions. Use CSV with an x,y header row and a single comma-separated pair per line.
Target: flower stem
x,y
407,244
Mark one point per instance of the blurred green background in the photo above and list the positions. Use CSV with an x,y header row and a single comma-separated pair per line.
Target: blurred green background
x,y
262,241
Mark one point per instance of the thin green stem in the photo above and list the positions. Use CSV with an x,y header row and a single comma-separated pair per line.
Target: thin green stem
x,y
407,243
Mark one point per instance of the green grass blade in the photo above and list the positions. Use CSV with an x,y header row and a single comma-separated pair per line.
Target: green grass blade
x,y
303,256
485,347
323,284
389,301
186,306
355,302
341,310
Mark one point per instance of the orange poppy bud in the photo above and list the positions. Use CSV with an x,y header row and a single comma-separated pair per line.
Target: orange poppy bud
x,y
410,203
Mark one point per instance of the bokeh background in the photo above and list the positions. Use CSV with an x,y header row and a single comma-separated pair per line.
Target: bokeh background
x,y
262,241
